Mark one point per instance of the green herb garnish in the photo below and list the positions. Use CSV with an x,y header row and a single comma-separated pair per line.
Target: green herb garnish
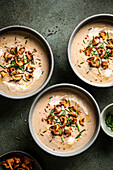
x,y
79,66
98,63
87,72
41,134
3,66
24,133
62,139
25,37
14,52
17,138
45,110
51,97
15,38
78,127
79,134
38,59
69,102
99,71
107,35
50,140
26,42
25,80
7,47
42,72
89,29
109,121
60,131
45,131
82,63
21,115
84,41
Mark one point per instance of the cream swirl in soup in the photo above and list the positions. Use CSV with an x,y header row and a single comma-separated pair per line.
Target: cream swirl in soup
x,y
24,63
92,52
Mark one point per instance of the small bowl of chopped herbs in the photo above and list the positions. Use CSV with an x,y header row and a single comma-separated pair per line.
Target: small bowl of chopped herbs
x,y
107,119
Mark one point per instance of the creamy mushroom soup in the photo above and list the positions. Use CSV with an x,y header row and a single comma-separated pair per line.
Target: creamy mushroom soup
x,y
64,120
92,52
24,63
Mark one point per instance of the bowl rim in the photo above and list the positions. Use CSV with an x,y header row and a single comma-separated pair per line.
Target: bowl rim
x,y
74,32
18,151
66,154
101,118
44,41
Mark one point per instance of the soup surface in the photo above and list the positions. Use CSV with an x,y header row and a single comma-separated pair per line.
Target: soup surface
x,y
64,120
24,63
92,52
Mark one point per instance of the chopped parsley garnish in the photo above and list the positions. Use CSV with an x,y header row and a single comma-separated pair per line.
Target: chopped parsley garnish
x,y
78,127
42,72
7,47
3,66
50,140
45,110
87,72
84,41
107,35
99,71
45,131
89,29
62,139
26,42
82,63
51,97
41,134
79,66
79,134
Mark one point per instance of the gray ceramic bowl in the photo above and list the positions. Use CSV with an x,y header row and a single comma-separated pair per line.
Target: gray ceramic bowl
x,y
50,54
81,91
19,154
106,110
97,17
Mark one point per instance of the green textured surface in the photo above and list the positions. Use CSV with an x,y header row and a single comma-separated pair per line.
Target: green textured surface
x,y
55,20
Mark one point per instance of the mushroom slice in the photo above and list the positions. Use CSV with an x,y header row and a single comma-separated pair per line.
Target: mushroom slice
x,y
56,129
105,64
63,120
12,71
28,76
101,51
73,119
17,160
72,114
64,103
103,35
109,46
67,131
3,73
5,164
19,63
25,166
58,108
29,55
30,68
7,56
111,51
27,161
96,40
110,40
10,162
50,119
15,78
75,109
17,50
88,50
81,121
94,61
16,166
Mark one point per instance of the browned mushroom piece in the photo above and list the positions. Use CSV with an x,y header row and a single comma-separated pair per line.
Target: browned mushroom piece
x,y
29,55
50,119
10,162
17,160
27,160
56,129
15,78
109,46
88,50
96,40
110,40
63,119
110,51
73,119
28,76
3,73
16,166
5,164
64,103
103,35
58,108
81,121
101,51
30,68
94,62
67,131
12,71
17,50
25,166
7,56
75,109
19,63
72,114
105,64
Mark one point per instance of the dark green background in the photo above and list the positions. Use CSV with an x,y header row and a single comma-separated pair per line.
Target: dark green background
x,y
55,20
